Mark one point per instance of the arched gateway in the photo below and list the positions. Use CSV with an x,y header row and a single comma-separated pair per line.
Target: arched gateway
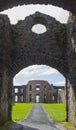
x,y
20,47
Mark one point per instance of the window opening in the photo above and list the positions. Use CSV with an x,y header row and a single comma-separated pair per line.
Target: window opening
x,y
30,87
16,98
37,87
16,90
39,28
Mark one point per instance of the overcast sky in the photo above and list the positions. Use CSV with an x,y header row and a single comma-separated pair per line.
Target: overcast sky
x,y
20,12
41,72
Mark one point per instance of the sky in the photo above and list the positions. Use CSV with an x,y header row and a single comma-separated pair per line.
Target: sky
x,y
20,12
37,72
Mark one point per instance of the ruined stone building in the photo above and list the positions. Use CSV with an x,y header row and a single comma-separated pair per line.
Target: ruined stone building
x,y
60,94
20,48
19,93
38,91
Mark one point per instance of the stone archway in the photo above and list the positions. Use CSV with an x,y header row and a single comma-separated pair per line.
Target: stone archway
x,y
20,47
31,47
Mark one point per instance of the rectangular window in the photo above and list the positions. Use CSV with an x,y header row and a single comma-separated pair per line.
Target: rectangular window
x,y
37,87
16,90
30,87
16,98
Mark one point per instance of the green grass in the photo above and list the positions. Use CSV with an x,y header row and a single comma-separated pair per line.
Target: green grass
x,y
19,112
58,113
55,111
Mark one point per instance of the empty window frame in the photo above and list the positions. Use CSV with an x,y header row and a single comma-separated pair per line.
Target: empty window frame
x,y
16,90
37,87
30,87
16,98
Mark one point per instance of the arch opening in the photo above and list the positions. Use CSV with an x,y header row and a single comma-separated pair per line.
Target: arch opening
x,y
37,80
41,72
42,85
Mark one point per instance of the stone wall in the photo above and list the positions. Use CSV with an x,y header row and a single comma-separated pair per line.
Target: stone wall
x,y
61,96
5,49
30,48
19,93
71,79
20,47
45,91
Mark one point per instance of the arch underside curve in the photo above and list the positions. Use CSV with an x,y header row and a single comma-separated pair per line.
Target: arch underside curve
x,y
39,59
69,5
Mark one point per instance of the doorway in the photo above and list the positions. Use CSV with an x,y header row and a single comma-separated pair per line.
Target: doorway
x,y
37,98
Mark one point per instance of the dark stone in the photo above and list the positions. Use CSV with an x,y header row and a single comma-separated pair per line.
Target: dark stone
x,y
20,47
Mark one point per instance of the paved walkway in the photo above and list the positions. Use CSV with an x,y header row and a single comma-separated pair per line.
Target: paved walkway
x,y
37,119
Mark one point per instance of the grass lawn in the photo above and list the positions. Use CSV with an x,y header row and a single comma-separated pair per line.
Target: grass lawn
x,y
58,113
19,112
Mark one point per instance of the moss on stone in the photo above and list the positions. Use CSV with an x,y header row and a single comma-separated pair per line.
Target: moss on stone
x,y
61,34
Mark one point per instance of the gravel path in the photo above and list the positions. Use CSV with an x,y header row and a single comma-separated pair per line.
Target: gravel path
x,y
37,119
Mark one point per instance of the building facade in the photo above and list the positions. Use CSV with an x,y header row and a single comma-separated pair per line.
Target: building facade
x,y
19,93
38,91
